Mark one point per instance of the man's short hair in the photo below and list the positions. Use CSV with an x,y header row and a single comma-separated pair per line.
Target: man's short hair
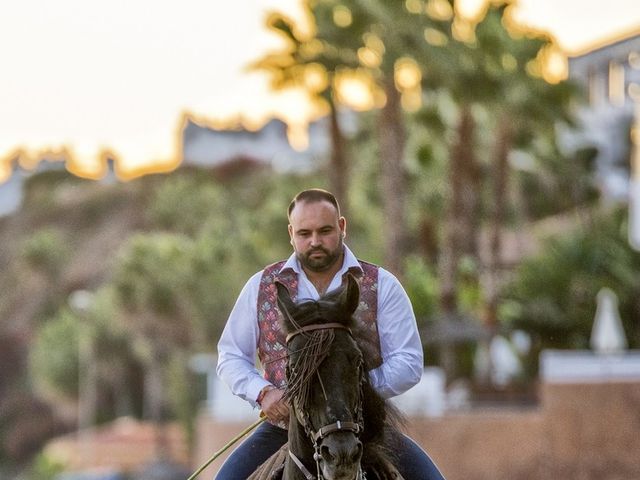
x,y
313,195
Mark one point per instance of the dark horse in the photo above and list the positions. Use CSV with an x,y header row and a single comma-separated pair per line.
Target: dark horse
x,y
337,421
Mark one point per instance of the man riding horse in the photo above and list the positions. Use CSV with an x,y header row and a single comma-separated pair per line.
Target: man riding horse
x,y
385,330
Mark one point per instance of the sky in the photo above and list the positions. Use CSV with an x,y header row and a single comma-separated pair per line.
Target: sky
x,y
92,74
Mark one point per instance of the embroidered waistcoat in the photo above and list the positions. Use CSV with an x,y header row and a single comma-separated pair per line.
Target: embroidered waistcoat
x,y
271,344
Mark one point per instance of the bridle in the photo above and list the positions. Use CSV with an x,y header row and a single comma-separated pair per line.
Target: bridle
x,y
302,416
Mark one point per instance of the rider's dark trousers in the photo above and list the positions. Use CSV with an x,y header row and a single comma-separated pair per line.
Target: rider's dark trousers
x,y
413,462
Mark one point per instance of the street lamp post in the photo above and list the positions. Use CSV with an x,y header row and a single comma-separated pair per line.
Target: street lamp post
x,y
81,301
634,182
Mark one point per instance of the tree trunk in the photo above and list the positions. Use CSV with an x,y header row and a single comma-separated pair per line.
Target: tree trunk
x,y
155,400
393,182
338,168
461,227
462,215
500,178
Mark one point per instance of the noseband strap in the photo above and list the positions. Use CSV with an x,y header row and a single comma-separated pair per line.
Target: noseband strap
x,y
337,427
319,326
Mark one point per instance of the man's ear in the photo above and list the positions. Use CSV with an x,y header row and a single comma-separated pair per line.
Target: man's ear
x,y
342,223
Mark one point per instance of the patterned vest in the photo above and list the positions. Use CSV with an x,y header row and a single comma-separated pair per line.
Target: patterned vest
x,y
271,343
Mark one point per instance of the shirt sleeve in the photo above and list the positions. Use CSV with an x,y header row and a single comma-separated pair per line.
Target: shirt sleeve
x,y
400,344
238,345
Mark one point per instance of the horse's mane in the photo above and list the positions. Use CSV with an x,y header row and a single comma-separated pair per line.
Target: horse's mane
x,y
381,419
378,415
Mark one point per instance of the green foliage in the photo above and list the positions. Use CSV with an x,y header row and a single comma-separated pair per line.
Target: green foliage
x,y
421,284
220,235
46,250
469,290
150,272
113,350
181,386
553,295
54,355
185,203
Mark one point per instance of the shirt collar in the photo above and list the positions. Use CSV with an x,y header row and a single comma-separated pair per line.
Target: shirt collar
x,y
349,262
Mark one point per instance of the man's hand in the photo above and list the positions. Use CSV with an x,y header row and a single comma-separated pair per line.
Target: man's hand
x,y
273,406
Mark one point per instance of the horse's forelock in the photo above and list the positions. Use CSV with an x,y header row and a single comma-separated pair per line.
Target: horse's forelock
x,y
315,312
314,348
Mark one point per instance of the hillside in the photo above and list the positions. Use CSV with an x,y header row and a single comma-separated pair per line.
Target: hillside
x,y
88,221
64,238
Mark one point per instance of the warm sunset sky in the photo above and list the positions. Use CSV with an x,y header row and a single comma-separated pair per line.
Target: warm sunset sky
x,y
93,73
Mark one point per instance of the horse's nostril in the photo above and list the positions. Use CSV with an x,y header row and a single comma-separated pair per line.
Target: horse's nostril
x,y
326,454
343,453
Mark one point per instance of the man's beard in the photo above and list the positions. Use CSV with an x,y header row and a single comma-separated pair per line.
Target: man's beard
x,y
320,264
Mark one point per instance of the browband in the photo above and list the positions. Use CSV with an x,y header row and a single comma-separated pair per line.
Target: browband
x,y
319,326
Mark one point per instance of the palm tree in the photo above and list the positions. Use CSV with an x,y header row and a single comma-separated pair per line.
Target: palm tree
x,y
523,106
486,72
312,62
449,68
396,29
346,32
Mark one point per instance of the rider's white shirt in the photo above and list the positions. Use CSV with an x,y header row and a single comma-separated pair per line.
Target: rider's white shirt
x,y
400,343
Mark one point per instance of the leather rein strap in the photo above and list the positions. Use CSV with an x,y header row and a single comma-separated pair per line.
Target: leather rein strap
x,y
307,474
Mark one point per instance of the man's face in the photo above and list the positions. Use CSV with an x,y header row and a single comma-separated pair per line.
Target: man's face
x,y
316,234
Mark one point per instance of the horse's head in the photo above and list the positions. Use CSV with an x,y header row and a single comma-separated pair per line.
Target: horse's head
x,y
324,376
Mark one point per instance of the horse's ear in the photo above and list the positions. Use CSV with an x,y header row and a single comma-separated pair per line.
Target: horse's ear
x,y
284,299
350,296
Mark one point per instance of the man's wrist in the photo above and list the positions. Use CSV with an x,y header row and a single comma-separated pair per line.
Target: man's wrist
x,y
263,392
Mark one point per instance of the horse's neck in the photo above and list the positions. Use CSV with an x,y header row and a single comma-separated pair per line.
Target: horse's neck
x,y
301,447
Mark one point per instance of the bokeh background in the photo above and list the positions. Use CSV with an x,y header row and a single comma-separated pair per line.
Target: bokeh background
x,y
484,152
